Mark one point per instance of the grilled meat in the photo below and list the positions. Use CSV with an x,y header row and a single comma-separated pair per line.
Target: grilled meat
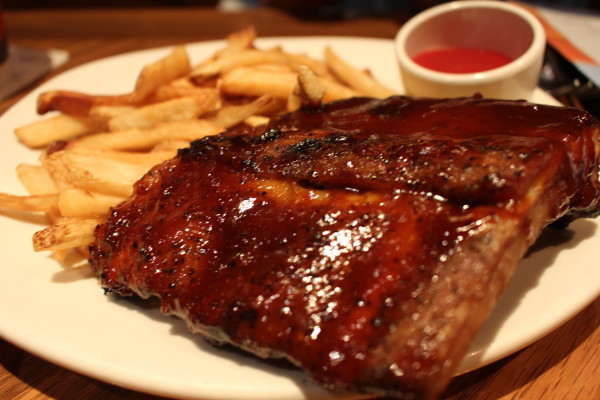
x,y
365,240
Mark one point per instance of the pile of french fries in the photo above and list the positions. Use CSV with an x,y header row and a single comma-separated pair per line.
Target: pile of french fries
x,y
95,147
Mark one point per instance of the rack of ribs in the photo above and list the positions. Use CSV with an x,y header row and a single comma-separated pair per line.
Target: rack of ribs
x,y
366,240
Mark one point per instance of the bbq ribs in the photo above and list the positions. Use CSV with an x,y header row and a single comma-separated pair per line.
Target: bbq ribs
x,y
365,240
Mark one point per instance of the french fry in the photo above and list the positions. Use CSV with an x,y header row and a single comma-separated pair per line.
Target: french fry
x,y
172,91
356,79
145,139
76,103
100,115
256,120
300,60
181,108
36,179
336,91
84,204
173,66
167,146
148,158
65,236
309,91
232,115
33,203
239,40
59,127
242,58
93,173
248,81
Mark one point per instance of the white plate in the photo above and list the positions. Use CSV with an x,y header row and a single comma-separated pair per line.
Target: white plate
x,y
60,313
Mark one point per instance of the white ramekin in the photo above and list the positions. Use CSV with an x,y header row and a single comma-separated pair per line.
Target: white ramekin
x,y
485,24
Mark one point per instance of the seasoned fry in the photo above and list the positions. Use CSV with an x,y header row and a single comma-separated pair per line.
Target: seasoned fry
x,y
356,79
161,72
65,236
59,127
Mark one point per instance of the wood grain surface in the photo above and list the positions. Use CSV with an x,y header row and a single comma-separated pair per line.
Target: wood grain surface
x,y
561,366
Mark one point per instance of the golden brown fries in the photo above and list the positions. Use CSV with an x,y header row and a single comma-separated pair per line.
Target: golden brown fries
x,y
161,72
75,103
36,203
178,109
358,80
309,90
41,133
79,232
97,146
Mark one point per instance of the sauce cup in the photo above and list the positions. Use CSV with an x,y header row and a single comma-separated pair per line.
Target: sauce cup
x,y
487,26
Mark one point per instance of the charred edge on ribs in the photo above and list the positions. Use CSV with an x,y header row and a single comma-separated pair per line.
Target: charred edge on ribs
x,y
365,240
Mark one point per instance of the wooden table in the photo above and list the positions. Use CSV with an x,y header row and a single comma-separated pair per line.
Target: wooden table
x,y
564,365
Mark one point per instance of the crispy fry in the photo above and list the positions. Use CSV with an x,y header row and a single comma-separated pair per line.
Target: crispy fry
x,y
173,66
356,79
94,173
59,127
239,40
170,146
256,120
249,81
181,108
242,58
76,103
145,139
233,115
147,158
100,115
309,91
80,203
317,66
36,179
172,91
65,236
35,203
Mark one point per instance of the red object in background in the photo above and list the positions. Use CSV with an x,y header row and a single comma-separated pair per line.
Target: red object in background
x,y
460,60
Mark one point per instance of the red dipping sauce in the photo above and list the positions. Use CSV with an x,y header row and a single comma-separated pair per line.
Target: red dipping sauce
x,y
459,60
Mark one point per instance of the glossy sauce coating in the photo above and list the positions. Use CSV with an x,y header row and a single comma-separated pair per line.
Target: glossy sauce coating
x,y
350,238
